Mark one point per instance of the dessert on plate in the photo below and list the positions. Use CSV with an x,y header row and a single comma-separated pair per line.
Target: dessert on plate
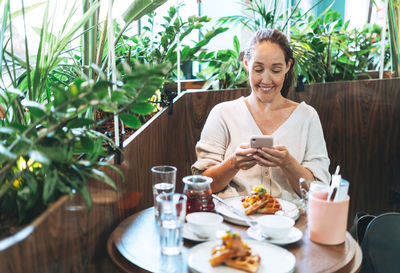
x,y
235,253
259,201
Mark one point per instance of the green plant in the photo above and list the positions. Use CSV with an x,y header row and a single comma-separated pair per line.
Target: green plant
x,y
160,47
48,143
338,53
394,32
224,68
260,16
59,142
37,79
324,48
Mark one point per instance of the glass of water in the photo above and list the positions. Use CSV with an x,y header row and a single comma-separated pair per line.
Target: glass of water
x,y
304,186
163,179
172,209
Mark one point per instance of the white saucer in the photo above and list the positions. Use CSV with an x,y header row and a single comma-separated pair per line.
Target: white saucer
x,y
294,235
188,233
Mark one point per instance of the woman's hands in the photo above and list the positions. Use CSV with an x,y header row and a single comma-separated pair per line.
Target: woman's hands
x,y
277,156
224,172
243,157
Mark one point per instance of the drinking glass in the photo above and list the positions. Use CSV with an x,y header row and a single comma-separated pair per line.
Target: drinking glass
x,y
304,188
172,209
163,180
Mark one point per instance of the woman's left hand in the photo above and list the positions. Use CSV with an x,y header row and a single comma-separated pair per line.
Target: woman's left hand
x,y
277,156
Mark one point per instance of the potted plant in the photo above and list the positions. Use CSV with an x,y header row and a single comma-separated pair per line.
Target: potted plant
x,y
49,146
324,48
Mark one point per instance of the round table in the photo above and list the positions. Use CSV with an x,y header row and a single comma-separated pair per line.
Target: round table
x,y
135,243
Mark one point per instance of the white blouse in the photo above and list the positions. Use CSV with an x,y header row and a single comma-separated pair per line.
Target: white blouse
x,y
230,123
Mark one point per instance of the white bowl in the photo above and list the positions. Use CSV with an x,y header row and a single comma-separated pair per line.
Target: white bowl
x,y
204,224
275,226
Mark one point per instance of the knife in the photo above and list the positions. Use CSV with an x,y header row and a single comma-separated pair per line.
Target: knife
x,y
251,222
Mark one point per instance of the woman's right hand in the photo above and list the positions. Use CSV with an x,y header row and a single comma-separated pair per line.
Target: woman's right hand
x,y
243,158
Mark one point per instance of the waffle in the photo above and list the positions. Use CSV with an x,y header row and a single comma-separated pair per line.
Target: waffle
x,y
221,255
252,204
259,201
248,263
271,207
235,253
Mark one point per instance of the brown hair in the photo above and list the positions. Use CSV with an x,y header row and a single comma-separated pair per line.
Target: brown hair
x,y
277,37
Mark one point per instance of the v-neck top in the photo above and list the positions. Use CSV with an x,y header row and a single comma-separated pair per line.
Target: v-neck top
x,y
254,123
230,123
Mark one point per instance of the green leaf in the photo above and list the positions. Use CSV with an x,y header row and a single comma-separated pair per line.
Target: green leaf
x,y
30,181
6,130
5,152
61,187
146,92
36,109
54,152
185,53
73,90
79,122
97,174
130,120
50,183
236,44
39,157
86,195
60,97
2,32
96,150
101,89
117,95
142,108
87,143
113,167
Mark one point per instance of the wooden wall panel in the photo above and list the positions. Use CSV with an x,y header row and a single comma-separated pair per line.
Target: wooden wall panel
x,y
361,122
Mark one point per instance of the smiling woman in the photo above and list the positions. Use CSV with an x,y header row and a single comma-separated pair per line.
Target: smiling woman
x,y
223,151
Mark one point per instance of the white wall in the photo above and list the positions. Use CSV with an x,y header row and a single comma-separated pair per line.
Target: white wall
x,y
219,8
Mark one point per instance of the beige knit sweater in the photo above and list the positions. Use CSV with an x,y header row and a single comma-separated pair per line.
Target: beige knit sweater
x,y
231,123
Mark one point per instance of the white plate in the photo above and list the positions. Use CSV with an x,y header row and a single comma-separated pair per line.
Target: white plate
x,y
188,233
273,258
289,209
293,236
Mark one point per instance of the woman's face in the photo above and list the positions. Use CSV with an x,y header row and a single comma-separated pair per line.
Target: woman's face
x,y
267,69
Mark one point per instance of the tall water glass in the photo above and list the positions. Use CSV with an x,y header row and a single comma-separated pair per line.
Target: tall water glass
x,y
163,180
306,188
172,209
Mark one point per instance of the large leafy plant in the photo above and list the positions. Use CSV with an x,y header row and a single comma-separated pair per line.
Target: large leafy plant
x,y
54,149
48,143
151,47
324,48
338,53
259,14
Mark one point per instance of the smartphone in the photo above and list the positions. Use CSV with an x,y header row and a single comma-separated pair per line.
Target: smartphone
x,y
261,141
